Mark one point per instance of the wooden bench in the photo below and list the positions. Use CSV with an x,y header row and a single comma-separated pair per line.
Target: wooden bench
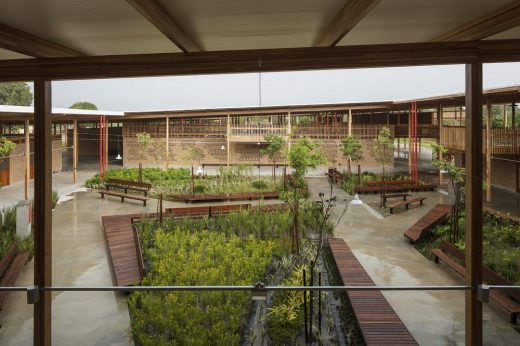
x,y
435,216
407,203
128,185
455,259
123,196
378,321
404,195
395,188
391,182
237,196
10,268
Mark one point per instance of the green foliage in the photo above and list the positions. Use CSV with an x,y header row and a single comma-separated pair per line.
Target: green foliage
x,y
194,154
15,94
501,243
352,148
199,189
259,184
84,105
7,229
55,197
150,175
144,140
201,258
383,147
303,155
274,146
285,317
6,147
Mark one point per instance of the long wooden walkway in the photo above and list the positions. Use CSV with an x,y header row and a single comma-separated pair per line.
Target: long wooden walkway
x,y
432,218
122,248
377,320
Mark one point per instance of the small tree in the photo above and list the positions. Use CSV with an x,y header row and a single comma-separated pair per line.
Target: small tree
x,y
84,105
352,148
383,150
143,140
303,155
194,153
15,94
273,149
456,176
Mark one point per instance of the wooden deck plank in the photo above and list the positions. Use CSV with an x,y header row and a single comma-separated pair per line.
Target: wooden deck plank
x,y
379,323
435,216
122,249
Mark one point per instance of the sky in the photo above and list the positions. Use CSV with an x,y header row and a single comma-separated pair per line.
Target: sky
x,y
276,89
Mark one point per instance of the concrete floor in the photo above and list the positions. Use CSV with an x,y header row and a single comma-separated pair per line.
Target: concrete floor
x,y
433,317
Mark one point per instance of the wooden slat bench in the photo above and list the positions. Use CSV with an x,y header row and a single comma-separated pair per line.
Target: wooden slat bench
x,y
404,195
395,188
220,197
128,185
379,323
11,267
435,216
391,182
407,203
455,259
123,196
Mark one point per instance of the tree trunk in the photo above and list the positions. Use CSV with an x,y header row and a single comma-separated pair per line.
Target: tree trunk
x,y
140,173
274,169
349,167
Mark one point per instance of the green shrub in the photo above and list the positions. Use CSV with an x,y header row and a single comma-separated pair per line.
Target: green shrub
x,y
199,189
200,258
259,185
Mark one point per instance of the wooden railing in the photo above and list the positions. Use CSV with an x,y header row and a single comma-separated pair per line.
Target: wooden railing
x,y
254,133
176,131
423,131
503,141
338,131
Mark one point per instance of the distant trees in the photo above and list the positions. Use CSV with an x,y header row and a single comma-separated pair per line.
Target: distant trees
x,y
15,94
383,148
274,147
84,105
143,140
6,148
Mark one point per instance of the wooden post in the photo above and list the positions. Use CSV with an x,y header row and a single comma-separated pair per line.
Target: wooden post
x,y
42,210
350,121
410,143
228,133
167,145
440,119
289,131
106,143
75,152
473,185
27,159
488,151
513,115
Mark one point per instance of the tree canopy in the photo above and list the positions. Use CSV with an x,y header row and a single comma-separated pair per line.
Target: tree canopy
x,y
6,147
193,154
303,155
15,94
274,147
84,105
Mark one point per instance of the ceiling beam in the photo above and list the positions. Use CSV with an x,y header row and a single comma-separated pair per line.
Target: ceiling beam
x,y
160,17
24,43
488,25
347,18
271,60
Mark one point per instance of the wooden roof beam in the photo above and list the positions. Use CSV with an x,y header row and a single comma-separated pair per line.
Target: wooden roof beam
x,y
347,18
160,17
24,43
493,23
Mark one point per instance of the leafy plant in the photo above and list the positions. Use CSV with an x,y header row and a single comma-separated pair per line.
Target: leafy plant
x,y
143,140
274,147
352,148
259,184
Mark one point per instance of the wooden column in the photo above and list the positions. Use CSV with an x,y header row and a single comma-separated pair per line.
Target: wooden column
x,y
488,152
350,122
410,142
513,115
27,159
42,210
440,119
75,152
106,143
473,225
228,133
167,142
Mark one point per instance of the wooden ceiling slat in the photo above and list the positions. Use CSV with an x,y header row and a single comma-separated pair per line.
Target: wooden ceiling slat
x,y
488,25
160,17
287,59
22,42
347,18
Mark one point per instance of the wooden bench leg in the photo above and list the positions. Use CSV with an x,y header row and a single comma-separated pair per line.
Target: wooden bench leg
x,y
436,259
407,206
122,199
102,196
391,210
144,203
514,317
